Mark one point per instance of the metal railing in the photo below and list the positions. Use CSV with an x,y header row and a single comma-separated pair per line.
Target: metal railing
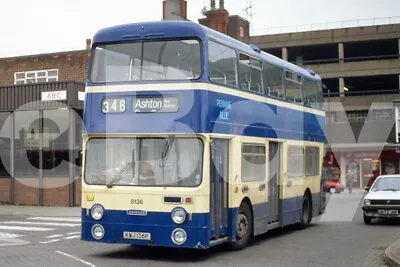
x,y
326,25
362,92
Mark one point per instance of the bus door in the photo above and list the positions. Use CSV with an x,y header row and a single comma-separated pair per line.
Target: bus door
x,y
219,189
274,181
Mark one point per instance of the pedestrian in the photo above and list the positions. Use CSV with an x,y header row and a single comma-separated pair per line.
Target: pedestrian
x,y
350,179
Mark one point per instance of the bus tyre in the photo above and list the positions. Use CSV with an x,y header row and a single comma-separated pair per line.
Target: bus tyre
x,y
244,227
305,213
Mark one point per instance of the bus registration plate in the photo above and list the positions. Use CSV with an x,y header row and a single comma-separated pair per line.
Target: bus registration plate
x,y
137,235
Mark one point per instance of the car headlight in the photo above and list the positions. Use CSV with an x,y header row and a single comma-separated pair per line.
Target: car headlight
x,y
178,215
97,231
97,212
367,202
179,236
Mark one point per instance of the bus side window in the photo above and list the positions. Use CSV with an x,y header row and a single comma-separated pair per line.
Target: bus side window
x,y
221,64
273,80
250,74
310,91
293,87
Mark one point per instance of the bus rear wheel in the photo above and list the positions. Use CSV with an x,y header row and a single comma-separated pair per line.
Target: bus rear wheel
x,y
244,228
305,214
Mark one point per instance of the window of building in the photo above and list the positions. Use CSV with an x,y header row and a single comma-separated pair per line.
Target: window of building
x,y
221,64
5,144
26,144
250,74
55,143
37,76
273,81
253,162
293,87
312,161
295,162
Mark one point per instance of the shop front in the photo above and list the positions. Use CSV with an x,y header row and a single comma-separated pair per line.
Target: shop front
x,y
367,164
40,140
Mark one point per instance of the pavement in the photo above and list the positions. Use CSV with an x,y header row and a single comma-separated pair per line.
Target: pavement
x,y
392,254
40,211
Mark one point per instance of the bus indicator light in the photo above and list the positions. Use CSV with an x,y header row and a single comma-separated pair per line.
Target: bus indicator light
x,y
90,197
188,200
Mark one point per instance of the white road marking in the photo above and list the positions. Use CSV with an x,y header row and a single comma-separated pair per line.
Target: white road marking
x,y
72,236
77,259
42,223
73,233
4,235
13,242
64,219
50,241
23,228
53,236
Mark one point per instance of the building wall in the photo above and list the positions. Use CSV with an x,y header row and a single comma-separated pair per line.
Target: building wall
x,y
327,36
72,65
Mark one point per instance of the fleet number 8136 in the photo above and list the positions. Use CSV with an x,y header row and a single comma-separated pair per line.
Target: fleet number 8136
x,y
137,201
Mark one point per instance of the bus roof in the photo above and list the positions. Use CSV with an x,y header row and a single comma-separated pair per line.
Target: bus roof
x,y
188,29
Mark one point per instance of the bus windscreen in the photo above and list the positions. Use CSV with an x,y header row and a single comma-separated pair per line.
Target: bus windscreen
x,y
146,61
175,162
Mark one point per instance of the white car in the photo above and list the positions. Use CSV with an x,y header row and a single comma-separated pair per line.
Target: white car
x,y
382,199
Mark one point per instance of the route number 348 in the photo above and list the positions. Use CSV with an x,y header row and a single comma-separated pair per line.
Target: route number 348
x,y
113,105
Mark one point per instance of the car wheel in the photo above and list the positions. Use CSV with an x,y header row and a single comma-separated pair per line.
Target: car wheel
x,y
332,190
244,228
367,219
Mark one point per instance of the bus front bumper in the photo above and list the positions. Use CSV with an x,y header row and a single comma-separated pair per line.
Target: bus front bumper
x,y
153,229
145,235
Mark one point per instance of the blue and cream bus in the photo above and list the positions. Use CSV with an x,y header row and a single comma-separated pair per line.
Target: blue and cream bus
x,y
194,139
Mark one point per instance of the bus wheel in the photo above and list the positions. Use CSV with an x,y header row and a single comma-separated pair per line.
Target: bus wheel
x,y
244,227
305,214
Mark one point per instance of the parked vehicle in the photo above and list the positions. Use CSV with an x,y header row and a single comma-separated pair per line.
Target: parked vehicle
x,y
334,186
382,199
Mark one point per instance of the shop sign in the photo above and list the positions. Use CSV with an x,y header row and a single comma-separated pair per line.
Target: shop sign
x,y
54,95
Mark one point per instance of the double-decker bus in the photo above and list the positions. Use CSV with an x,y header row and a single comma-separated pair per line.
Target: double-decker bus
x,y
193,139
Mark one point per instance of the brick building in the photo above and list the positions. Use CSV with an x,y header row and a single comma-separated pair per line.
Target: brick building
x,y
41,106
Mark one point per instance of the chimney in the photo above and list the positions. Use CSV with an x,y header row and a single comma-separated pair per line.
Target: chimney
x,y
221,4
216,19
174,10
88,44
212,4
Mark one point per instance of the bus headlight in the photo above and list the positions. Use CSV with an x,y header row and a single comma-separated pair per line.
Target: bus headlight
x,y
178,215
97,231
179,236
97,212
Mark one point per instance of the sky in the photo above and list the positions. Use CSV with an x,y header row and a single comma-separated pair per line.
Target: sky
x,y
44,26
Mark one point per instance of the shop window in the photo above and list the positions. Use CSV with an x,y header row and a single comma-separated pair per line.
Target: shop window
x,y
26,143
5,145
253,162
55,143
